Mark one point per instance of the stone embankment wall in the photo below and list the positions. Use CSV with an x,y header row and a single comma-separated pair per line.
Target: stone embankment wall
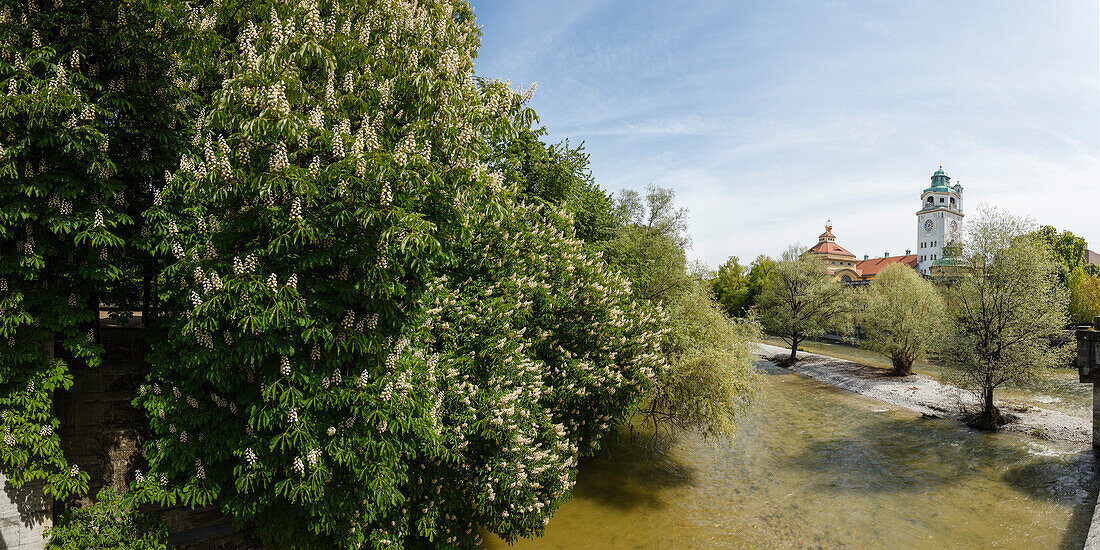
x,y
24,515
102,433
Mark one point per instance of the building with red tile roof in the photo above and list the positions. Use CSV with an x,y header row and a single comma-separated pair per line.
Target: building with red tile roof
x,y
838,260
939,223
870,267
843,265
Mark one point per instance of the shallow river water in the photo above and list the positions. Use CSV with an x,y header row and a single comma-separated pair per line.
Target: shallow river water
x,y
815,467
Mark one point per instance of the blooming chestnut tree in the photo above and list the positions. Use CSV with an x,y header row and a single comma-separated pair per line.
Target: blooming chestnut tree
x,y
367,340
86,116
543,351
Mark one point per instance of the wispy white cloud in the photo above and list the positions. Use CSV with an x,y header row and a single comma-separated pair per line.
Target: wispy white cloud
x,y
769,117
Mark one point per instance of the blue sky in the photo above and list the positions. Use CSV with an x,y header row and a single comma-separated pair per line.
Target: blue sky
x,y
769,117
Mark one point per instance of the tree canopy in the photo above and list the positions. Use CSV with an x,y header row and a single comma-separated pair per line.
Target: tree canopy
x,y
1068,250
901,316
801,300
737,288
1005,305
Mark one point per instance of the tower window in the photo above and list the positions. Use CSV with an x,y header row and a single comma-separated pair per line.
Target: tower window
x,y
941,199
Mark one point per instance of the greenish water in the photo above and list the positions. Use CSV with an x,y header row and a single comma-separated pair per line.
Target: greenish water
x,y
815,467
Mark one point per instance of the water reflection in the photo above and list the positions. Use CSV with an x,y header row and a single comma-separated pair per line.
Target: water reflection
x,y
633,474
812,466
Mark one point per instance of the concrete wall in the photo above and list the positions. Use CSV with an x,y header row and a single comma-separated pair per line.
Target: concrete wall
x,y
24,515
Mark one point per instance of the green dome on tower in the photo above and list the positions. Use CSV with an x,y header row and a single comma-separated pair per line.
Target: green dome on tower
x,y
952,257
940,178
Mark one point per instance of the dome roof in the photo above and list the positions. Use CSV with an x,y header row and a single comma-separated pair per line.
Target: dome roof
x,y
950,261
940,181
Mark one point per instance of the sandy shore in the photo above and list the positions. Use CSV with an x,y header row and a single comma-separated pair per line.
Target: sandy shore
x,y
927,396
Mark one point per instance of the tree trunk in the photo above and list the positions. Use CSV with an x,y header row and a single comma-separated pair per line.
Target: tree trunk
x,y
989,418
794,351
902,366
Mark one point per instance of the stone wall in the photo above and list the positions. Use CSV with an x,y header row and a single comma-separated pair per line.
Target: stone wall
x,y
102,433
24,515
100,430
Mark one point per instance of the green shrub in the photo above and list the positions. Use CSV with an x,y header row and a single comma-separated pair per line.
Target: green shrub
x,y
110,523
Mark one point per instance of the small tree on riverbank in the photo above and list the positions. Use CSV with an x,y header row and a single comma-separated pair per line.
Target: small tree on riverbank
x,y
711,378
801,300
901,316
1005,305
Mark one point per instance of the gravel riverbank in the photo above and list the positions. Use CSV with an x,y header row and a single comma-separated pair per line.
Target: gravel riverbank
x,y
928,396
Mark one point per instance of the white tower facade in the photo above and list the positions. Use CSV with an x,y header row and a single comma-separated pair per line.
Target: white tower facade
x,y
939,220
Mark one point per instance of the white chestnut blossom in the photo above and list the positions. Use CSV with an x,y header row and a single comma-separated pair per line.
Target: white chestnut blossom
x,y
279,161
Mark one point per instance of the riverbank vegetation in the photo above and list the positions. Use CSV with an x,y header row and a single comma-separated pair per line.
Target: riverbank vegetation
x,y
901,315
1005,304
991,315
801,300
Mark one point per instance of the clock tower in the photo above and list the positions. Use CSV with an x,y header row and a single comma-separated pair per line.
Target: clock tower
x,y
939,220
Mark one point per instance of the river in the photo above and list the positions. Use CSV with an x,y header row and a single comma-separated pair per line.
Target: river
x,y
816,467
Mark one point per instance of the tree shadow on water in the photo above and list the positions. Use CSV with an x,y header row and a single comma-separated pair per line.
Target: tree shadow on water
x,y
1071,482
628,473
892,455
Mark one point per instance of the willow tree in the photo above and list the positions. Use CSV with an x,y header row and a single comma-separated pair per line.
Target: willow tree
x,y
801,300
369,341
711,377
902,315
90,111
1006,303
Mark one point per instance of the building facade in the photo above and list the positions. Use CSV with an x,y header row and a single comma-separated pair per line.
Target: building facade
x,y
939,224
843,265
939,220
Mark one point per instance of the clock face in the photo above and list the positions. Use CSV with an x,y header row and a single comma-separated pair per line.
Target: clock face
x,y
928,225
